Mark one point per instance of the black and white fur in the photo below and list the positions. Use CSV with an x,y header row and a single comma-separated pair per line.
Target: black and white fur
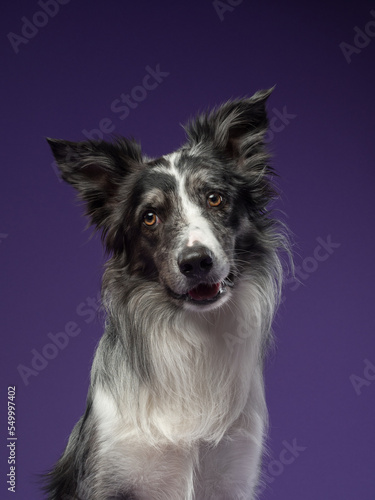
x,y
176,407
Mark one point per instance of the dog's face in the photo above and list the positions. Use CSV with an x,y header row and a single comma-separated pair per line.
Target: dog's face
x,y
185,213
188,220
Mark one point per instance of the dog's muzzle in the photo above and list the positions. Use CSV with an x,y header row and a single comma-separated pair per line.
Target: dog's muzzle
x,y
198,265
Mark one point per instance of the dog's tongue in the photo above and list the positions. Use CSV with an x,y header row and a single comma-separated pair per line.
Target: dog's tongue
x,y
204,291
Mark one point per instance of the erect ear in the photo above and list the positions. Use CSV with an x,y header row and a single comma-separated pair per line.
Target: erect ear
x,y
96,169
236,128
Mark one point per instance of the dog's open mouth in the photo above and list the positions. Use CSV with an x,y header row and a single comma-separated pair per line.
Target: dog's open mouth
x,y
205,293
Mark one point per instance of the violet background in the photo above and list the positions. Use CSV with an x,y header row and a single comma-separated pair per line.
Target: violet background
x,y
65,79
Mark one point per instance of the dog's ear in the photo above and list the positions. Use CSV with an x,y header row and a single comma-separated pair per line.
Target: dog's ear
x,y
235,129
96,169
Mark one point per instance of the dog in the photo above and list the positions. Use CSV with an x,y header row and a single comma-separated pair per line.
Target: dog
x,y
176,407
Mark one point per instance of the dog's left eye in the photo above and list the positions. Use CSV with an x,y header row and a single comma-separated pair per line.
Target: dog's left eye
x,y
150,218
214,200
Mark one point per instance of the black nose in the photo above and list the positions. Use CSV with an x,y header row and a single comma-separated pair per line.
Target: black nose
x,y
195,261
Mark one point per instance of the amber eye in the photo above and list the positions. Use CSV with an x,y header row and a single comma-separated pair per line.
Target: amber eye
x,y
214,200
150,218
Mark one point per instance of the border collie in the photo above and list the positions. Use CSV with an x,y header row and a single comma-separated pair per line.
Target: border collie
x,y
176,407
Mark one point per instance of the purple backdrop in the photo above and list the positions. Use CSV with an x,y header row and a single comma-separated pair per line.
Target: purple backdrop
x,y
65,67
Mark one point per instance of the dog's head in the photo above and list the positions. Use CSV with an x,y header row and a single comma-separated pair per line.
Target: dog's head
x,y
190,221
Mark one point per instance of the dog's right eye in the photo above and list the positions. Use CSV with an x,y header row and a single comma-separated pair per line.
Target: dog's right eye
x,y
150,218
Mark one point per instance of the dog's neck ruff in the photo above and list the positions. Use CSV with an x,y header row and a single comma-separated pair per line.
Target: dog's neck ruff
x,y
202,367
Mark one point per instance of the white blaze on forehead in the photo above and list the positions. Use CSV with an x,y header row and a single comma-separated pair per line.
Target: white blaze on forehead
x,y
198,230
